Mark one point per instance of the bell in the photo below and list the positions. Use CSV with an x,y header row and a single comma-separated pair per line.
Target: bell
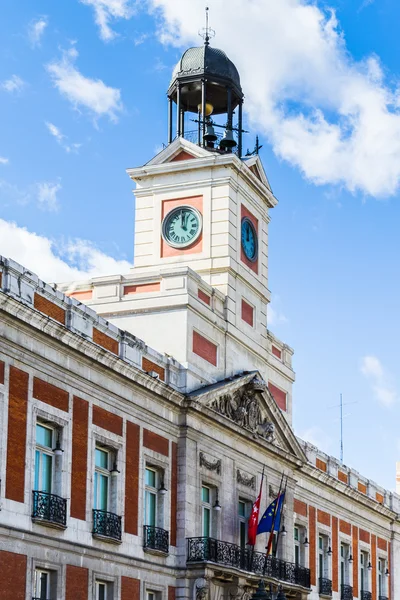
x,y
209,135
228,141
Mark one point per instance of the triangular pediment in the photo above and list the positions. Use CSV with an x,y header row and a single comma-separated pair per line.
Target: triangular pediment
x,y
179,149
257,168
246,402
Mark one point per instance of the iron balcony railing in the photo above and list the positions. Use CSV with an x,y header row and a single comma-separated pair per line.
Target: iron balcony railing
x,y
106,524
202,549
325,586
366,595
155,538
49,507
346,592
383,598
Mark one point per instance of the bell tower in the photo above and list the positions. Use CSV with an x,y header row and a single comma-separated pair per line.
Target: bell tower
x,y
198,290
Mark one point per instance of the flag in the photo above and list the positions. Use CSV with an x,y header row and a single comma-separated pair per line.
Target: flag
x,y
272,516
253,518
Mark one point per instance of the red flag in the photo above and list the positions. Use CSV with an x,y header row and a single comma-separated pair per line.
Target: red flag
x,y
253,518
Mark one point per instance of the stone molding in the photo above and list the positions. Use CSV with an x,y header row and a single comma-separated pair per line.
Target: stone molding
x,y
211,466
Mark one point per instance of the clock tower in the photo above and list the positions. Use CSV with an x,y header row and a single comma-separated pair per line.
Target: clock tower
x,y
199,288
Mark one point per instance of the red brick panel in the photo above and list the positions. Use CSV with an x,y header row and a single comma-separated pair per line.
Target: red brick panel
x,y
81,295
182,156
155,442
167,206
132,477
16,440
204,297
1,278
204,348
362,488
149,365
276,352
171,592
335,555
2,368
382,544
345,527
77,581
253,265
107,420
174,493
364,536
324,518
105,341
373,561
247,313
300,507
12,576
279,395
142,288
321,465
343,477
49,308
50,394
355,561
130,588
80,423
379,498
313,544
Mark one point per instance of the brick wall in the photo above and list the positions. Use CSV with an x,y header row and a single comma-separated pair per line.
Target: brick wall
x,y
171,592
247,313
321,465
204,297
313,543
300,507
50,394
382,544
155,442
77,579
80,423
132,477
345,527
335,555
105,341
2,369
279,395
343,477
324,517
49,308
130,588
364,536
174,492
16,439
12,576
204,348
143,288
149,365
107,420
355,561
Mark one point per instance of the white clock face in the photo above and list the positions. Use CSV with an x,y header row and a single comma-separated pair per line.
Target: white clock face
x,y
181,227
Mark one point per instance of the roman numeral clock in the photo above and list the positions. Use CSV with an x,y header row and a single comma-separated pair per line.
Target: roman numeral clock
x,y
182,226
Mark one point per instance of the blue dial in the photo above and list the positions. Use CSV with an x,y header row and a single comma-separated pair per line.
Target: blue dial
x,y
249,239
181,226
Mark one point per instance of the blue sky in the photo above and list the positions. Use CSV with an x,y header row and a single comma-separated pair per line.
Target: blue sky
x,y
82,97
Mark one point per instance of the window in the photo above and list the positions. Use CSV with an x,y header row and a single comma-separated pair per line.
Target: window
x,y
299,535
101,479
44,585
364,559
104,590
344,564
44,459
382,576
242,512
206,511
150,595
323,567
150,497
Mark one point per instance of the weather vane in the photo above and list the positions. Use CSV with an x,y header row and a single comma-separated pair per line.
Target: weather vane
x,y
256,150
207,33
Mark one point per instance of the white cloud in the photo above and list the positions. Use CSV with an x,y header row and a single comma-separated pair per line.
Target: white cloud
x,y
334,118
106,11
4,161
13,85
36,30
380,380
61,138
317,437
81,91
47,195
53,260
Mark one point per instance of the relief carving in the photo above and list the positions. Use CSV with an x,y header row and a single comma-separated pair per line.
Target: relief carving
x,y
246,480
211,466
200,589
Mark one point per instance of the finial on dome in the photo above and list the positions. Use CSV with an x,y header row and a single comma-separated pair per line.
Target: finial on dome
x,y
207,33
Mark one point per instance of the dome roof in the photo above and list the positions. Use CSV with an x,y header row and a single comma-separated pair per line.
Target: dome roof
x,y
209,61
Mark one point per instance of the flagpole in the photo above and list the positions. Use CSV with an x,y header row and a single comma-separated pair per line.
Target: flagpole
x,y
259,494
271,533
279,532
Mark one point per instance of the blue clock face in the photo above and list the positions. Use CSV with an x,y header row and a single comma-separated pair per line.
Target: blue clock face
x,y
249,239
181,226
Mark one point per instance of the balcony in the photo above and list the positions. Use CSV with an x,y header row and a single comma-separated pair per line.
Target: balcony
x,y
155,538
346,592
49,509
203,549
383,597
366,595
325,587
106,525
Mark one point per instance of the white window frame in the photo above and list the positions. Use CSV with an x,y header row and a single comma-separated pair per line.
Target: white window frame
x,y
243,520
154,491
105,472
344,559
206,506
37,582
108,591
299,543
382,566
44,450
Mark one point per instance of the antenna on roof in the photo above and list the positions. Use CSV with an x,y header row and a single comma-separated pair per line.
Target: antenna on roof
x,y
341,422
207,33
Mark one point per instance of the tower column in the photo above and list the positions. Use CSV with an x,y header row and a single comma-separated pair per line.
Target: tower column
x,y
169,120
178,111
